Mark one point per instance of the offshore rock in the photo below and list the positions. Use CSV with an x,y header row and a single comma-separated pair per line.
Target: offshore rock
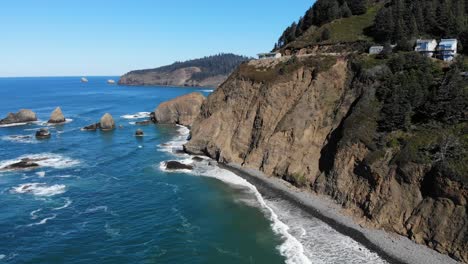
x,y
182,110
57,117
107,122
23,116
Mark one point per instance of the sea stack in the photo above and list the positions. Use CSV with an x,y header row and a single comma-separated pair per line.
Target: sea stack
x,y
107,122
56,117
182,110
23,116
43,133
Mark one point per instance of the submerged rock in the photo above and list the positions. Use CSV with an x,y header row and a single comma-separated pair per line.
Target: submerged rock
x,y
175,165
107,122
43,133
23,116
24,164
56,117
198,159
182,110
92,127
139,133
143,123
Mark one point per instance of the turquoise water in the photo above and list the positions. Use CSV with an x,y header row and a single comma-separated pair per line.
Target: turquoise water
x,y
106,198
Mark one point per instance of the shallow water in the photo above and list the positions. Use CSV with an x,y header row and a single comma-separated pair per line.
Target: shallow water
x,y
106,198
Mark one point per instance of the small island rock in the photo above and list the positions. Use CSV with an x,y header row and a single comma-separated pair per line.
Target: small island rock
x,y
24,164
92,127
23,116
107,122
57,117
139,133
43,133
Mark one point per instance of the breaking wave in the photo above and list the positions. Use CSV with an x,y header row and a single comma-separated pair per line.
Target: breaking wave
x,y
39,189
44,160
138,115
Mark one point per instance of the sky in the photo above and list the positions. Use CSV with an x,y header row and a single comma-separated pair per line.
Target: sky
x,y
110,38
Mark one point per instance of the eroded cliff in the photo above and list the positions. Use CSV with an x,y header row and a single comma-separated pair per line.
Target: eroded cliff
x,y
319,122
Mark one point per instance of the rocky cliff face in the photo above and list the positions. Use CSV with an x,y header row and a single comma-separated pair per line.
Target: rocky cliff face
x,y
182,110
312,120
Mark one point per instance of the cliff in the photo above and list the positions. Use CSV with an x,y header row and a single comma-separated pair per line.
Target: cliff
x,y
349,127
205,72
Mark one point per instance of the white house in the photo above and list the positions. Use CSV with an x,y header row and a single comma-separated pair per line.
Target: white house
x,y
448,49
376,50
269,55
426,47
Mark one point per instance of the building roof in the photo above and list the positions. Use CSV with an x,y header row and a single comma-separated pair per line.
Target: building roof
x,y
425,40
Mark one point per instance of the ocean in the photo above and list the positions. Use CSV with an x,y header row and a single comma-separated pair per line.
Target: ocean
x,y
105,197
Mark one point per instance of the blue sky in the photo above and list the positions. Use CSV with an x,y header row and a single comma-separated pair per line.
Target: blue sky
x,y
101,37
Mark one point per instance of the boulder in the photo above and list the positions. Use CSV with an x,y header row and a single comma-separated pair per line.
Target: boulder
x,y
107,122
182,110
56,117
23,116
43,133
175,165
139,133
197,159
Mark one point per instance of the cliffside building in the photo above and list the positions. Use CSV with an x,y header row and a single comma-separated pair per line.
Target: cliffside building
x,y
269,55
427,47
376,50
447,49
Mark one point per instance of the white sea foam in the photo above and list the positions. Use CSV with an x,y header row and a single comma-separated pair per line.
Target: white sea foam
x,y
13,125
44,160
68,202
138,115
39,189
34,215
2,256
44,221
27,139
207,91
67,120
41,174
177,143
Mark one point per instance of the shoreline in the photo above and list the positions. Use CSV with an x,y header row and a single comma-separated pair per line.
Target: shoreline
x,y
391,247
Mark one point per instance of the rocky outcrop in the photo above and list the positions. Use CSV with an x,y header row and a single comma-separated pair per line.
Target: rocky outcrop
x,y
312,121
92,127
139,133
107,122
182,110
175,165
24,164
23,116
43,133
57,117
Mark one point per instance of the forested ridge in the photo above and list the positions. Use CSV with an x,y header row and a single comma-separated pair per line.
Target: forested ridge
x,y
397,21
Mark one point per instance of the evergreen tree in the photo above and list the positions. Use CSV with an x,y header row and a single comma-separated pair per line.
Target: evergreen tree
x,y
357,7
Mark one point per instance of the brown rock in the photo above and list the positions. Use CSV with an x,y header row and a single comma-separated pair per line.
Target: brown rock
x,y
175,165
43,133
57,117
23,116
107,122
92,127
181,110
139,133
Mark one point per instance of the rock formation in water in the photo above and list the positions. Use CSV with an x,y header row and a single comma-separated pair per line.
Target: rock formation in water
x,y
24,164
181,110
43,133
57,117
323,123
107,122
205,72
139,133
23,116
175,165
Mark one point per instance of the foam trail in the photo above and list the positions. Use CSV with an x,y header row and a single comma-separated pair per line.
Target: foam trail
x,y
26,139
13,125
43,221
96,209
41,174
68,202
33,214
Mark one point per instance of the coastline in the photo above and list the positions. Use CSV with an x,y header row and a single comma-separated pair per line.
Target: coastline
x,y
390,246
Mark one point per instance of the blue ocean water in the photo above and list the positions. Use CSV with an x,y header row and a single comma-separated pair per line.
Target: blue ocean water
x,y
103,197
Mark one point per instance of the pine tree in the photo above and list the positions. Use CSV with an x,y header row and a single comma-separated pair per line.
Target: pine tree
x,y
358,7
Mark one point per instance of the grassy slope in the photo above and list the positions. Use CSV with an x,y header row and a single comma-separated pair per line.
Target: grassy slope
x,y
342,30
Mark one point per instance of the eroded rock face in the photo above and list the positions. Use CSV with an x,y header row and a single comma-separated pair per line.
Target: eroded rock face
x,y
107,122
309,124
57,117
23,116
182,110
